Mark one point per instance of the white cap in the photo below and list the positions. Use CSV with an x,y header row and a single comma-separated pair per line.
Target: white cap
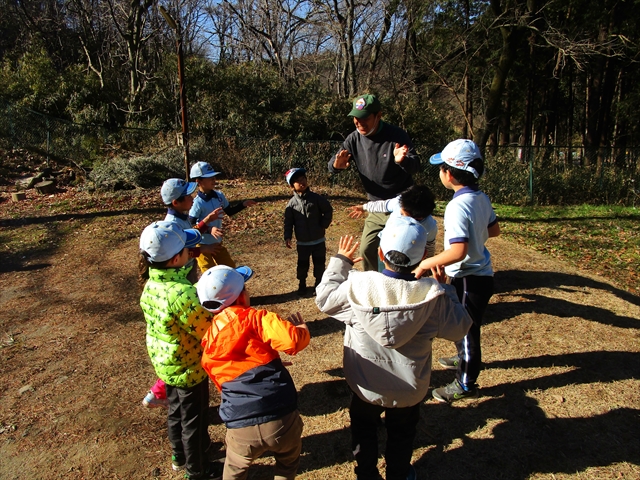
x,y
163,240
405,235
458,154
202,170
221,284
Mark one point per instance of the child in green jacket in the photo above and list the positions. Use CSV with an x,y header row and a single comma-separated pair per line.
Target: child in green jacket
x,y
176,323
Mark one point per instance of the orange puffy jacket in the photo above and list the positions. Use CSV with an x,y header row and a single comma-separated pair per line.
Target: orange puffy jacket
x,y
240,354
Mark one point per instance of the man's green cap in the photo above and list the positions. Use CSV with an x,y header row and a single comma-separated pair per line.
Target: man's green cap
x,y
364,106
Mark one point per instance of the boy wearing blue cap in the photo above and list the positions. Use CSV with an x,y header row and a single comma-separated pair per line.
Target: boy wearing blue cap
x,y
176,323
177,195
469,220
307,215
207,201
258,397
391,320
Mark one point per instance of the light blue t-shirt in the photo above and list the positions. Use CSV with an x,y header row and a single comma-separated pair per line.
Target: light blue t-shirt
x,y
183,222
467,218
203,205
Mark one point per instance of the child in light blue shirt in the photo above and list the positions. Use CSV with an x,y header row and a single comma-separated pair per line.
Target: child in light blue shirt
x,y
469,221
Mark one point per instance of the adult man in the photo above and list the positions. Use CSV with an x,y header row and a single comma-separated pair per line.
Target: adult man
x,y
385,159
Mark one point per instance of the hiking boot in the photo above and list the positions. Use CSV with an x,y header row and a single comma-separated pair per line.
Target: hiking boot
x,y
450,363
454,391
151,401
214,472
177,463
302,289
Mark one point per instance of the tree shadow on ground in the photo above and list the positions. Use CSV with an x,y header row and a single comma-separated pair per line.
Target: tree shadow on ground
x,y
504,434
540,304
522,440
19,222
510,280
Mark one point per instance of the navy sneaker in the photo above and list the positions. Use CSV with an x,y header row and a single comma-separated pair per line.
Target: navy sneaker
x,y
454,391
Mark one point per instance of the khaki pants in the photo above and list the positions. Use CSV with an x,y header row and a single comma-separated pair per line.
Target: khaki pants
x,y
281,436
369,241
221,257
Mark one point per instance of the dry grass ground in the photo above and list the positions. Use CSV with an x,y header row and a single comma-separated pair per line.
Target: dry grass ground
x,y
560,392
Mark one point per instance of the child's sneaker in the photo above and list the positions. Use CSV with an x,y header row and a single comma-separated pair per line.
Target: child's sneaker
x,y
214,472
450,363
151,401
453,392
177,463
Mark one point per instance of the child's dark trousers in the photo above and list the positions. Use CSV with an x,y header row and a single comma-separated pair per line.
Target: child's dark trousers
x,y
318,254
474,293
401,430
188,425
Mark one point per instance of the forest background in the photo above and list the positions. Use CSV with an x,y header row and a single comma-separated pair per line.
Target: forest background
x,y
547,87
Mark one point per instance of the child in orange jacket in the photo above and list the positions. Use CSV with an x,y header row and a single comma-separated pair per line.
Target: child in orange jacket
x,y
241,356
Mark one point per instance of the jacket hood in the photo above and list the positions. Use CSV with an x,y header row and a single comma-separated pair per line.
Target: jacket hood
x,y
391,311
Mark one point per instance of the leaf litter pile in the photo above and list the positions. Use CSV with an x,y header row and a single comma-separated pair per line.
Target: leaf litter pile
x,y
560,389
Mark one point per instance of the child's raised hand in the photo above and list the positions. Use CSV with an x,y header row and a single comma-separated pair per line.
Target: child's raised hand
x,y
249,203
216,232
296,319
356,211
438,274
217,214
347,247
420,270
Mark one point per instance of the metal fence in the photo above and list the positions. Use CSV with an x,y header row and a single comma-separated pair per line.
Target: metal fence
x,y
514,175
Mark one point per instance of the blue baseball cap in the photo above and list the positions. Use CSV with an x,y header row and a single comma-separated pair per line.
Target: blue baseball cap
x,y
175,188
293,172
405,235
202,170
163,240
221,285
458,154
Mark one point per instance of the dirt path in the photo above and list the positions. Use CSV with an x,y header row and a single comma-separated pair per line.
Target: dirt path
x,y
560,390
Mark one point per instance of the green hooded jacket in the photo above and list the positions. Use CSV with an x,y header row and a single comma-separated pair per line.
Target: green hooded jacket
x,y
176,323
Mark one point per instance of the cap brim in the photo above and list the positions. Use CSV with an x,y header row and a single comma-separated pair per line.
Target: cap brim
x,y
208,175
359,113
190,188
194,237
436,159
245,271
